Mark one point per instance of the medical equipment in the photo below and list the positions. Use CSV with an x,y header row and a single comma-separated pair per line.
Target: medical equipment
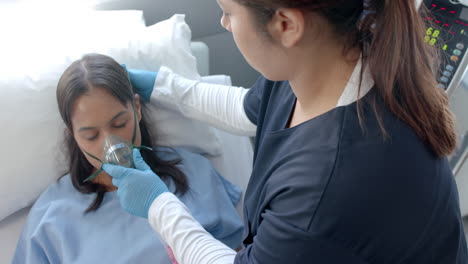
x,y
456,2
117,152
450,35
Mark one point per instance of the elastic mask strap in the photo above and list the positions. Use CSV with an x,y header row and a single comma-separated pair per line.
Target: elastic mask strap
x,y
134,131
95,174
134,123
92,156
143,147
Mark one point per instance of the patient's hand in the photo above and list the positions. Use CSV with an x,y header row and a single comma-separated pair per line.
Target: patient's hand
x,y
137,188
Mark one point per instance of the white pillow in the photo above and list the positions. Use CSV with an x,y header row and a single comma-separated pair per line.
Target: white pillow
x,y
32,134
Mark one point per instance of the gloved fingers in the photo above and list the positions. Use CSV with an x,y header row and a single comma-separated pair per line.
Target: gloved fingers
x,y
116,182
116,171
140,163
143,82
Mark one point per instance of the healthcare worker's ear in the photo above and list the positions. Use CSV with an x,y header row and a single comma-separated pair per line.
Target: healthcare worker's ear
x,y
287,26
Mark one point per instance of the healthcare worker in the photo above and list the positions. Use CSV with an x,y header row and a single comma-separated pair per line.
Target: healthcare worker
x,y
350,157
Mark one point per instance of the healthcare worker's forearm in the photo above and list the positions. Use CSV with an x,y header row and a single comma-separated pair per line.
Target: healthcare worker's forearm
x,y
189,241
218,105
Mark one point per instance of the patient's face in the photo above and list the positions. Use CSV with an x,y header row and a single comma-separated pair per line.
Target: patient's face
x,y
96,115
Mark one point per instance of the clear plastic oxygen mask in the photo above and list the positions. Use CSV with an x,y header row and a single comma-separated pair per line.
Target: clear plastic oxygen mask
x,y
117,152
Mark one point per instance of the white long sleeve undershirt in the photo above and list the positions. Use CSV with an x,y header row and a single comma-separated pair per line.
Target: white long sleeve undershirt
x,y
221,106
189,241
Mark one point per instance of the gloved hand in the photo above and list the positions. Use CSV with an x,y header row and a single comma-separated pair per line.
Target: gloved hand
x,y
142,81
137,188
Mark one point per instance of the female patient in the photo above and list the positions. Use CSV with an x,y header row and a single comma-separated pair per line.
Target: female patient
x,y
78,220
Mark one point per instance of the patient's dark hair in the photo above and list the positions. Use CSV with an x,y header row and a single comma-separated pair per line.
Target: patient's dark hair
x,y
95,70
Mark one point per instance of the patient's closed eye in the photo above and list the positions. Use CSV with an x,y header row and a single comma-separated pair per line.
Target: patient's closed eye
x,y
120,125
93,137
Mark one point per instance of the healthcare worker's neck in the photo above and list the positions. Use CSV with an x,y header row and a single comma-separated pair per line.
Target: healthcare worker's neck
x,y
319,78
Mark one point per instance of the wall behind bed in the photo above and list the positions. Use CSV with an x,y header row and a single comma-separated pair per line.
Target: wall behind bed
x,y
203,17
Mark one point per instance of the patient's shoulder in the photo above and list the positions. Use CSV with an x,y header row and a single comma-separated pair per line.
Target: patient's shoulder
x,y
194,164
58,190
188,158
198,169
60,194
62,185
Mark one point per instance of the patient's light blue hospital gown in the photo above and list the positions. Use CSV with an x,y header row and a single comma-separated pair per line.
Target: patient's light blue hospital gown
x,y
58,231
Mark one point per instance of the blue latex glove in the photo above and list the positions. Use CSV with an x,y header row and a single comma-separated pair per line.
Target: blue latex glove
x,y
138,188
142,81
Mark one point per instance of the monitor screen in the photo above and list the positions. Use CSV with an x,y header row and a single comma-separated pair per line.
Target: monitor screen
x,y
464,14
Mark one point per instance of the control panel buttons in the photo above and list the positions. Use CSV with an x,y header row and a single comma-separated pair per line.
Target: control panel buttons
x,y
448,32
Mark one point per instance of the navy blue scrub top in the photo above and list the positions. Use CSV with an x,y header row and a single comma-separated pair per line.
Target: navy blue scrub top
x,y
327,191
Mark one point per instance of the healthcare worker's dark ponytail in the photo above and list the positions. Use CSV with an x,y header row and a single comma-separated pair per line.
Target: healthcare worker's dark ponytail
x,y
403,66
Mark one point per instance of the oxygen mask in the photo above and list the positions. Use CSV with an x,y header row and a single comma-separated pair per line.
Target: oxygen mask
x,y
117,152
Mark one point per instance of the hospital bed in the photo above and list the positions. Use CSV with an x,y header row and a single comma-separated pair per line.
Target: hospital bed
x,y
234,163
